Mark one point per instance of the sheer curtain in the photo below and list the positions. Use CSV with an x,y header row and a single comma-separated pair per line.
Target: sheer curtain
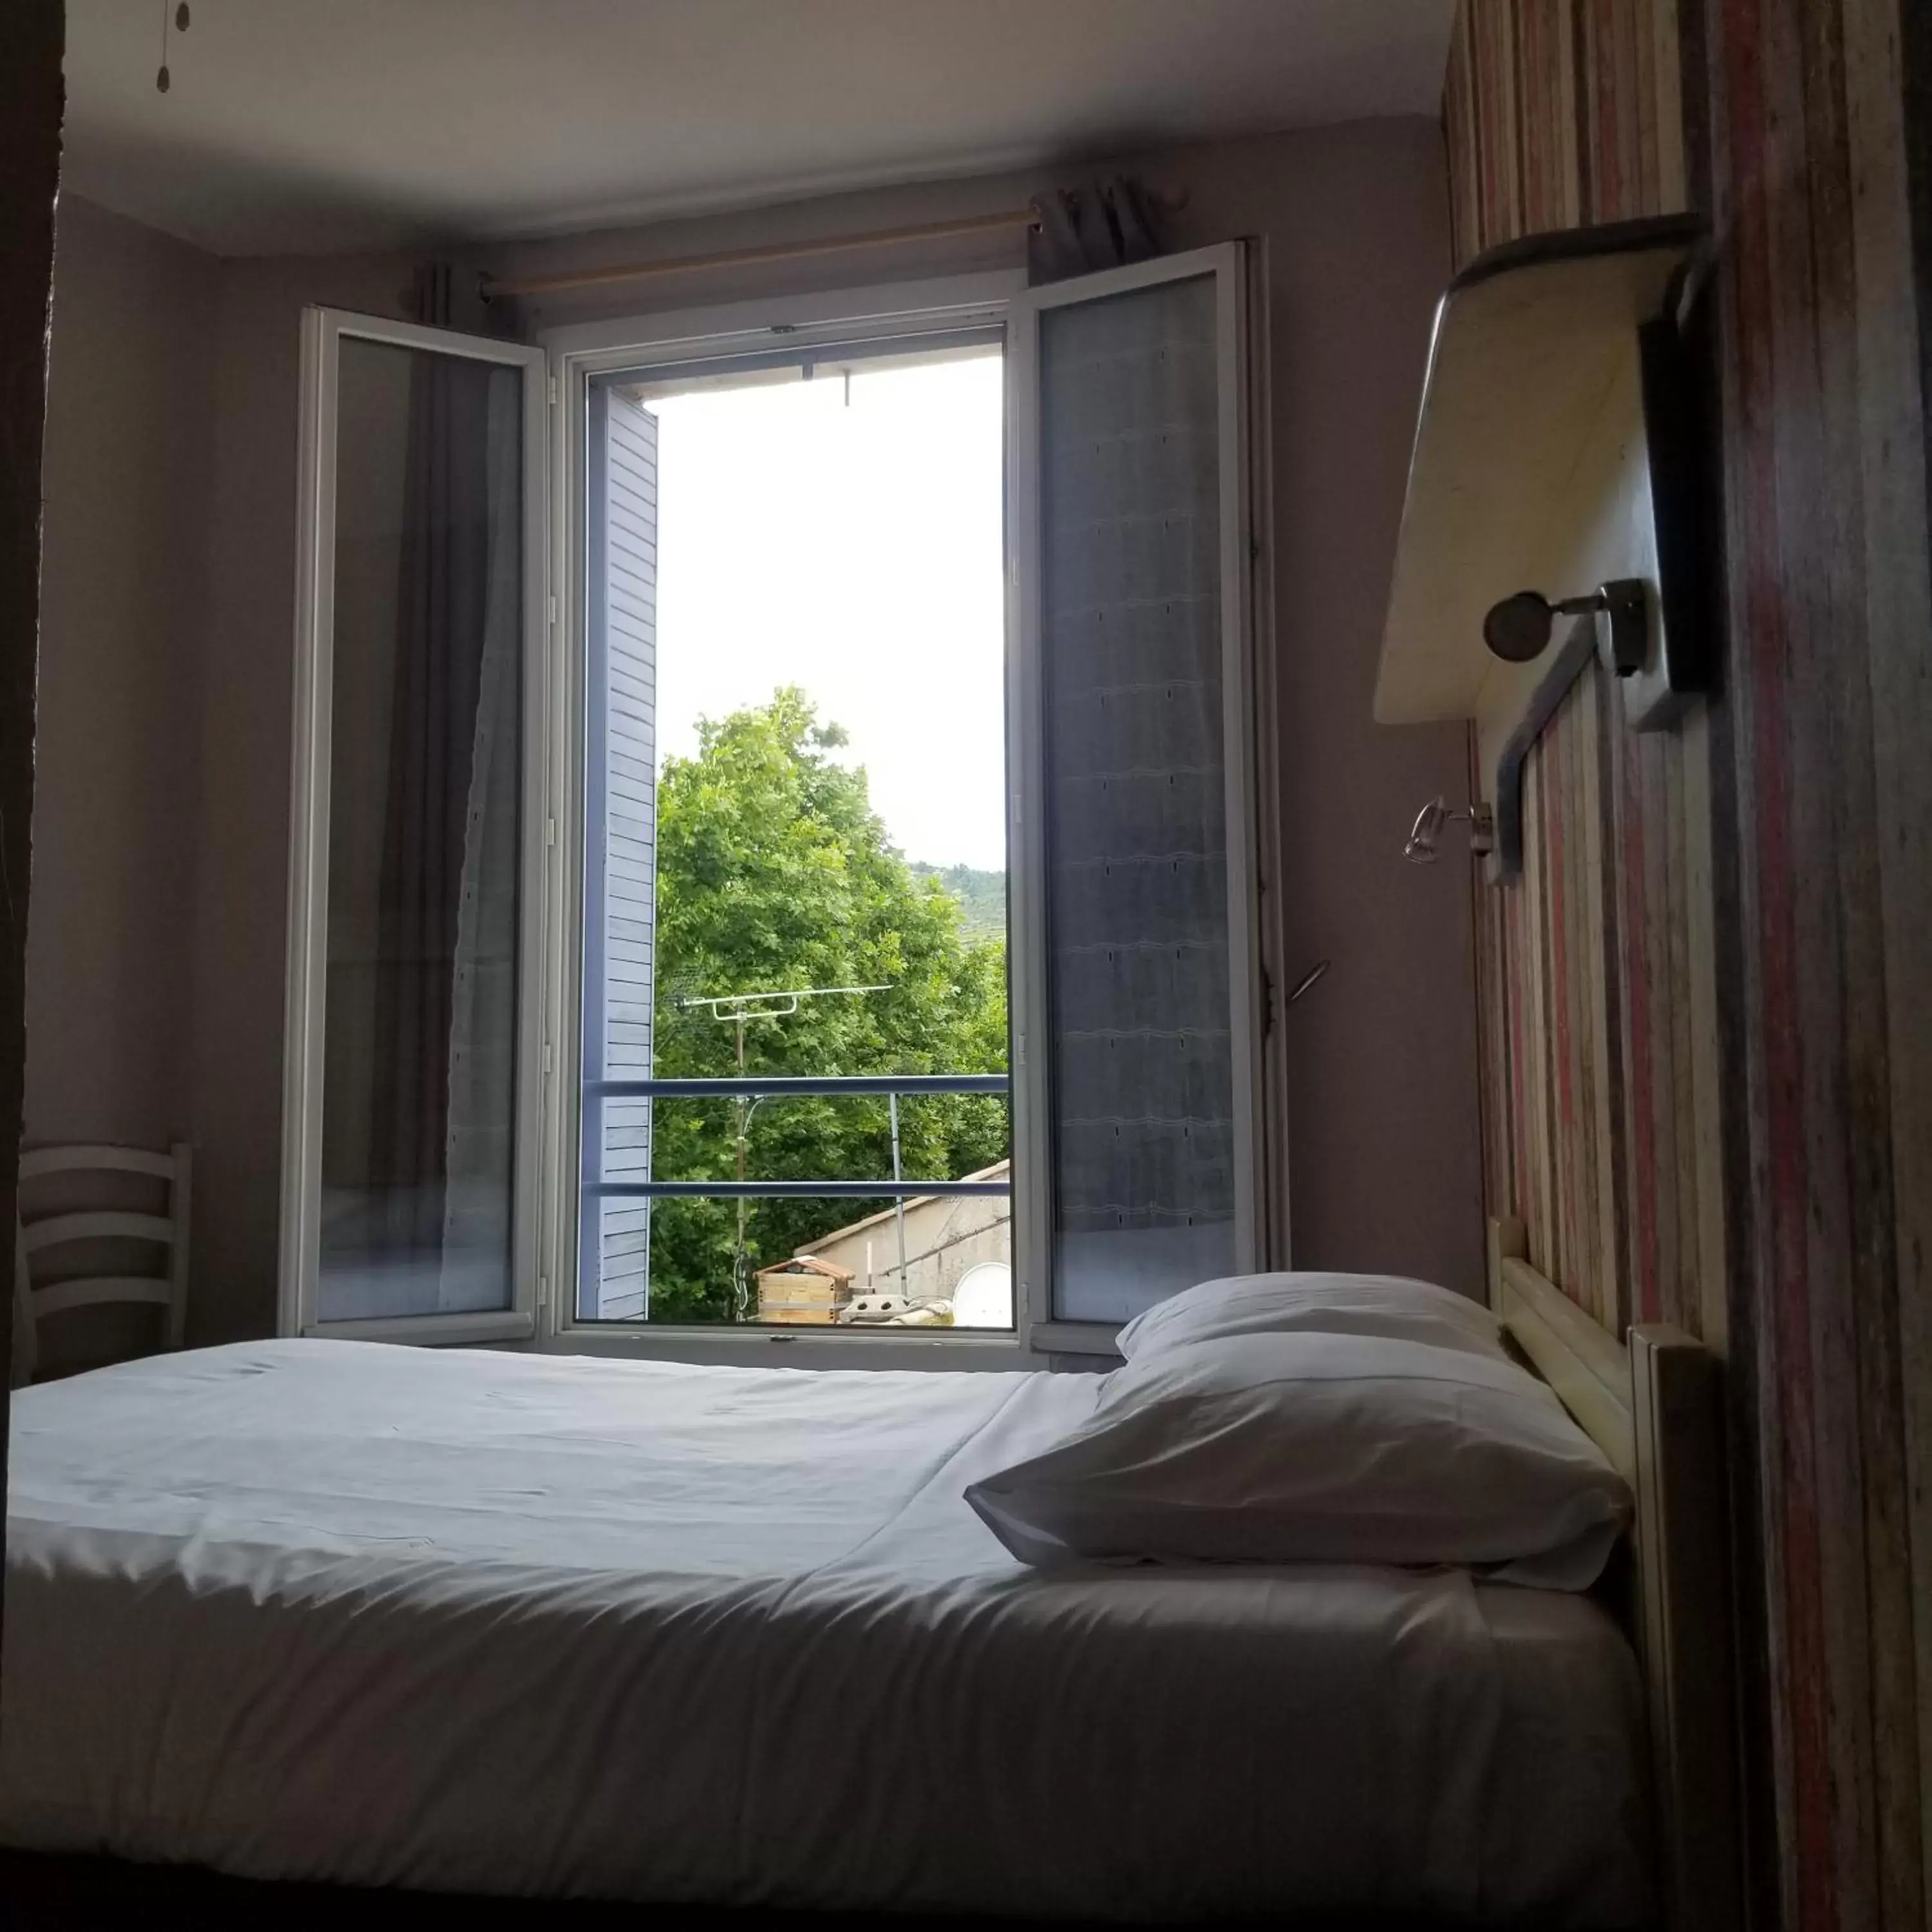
x,y
1138,985
419,1077
479,1140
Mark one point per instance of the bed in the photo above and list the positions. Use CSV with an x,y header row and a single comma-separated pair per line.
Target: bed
x,y
466,1621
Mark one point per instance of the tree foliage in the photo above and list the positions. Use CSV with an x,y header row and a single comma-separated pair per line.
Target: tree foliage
x,y
982,897
774,874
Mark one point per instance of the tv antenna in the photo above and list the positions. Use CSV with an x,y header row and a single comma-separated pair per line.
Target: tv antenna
x,y
739,1010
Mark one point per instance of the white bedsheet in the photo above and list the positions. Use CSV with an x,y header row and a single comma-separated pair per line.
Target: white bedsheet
x,y
502,1622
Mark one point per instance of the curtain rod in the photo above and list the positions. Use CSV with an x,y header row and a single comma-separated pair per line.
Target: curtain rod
x,y
772,251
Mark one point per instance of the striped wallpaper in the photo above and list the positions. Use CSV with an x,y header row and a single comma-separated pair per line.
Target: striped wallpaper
x,y
1597,967
1707,1004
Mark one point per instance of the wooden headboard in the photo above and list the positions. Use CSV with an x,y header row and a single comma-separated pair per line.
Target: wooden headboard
x,y
1653,1406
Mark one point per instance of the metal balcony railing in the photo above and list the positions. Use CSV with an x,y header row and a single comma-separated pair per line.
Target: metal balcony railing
x,y
749,1092
752,1088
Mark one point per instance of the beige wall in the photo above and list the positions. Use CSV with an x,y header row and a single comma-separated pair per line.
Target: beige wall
x,y
110,964
129,441
1384,1157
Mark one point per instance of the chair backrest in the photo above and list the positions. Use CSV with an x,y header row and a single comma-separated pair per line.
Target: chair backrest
x,y
166,1288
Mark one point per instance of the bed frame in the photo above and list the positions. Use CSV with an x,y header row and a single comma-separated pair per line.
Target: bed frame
x,y
1653,1405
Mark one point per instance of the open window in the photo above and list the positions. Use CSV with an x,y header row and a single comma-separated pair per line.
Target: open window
x,y
654,989
415,1067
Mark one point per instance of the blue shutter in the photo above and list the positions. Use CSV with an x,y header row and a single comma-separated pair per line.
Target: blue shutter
x,y
620,848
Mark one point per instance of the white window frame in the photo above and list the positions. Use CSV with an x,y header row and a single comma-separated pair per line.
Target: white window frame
x,y
546,1228
577,354
323,331
1240,499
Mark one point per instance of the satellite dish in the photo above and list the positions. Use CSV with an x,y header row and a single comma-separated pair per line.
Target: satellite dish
x,y
984,1297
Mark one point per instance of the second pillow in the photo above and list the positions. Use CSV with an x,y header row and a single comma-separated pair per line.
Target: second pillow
x,y
1313,1448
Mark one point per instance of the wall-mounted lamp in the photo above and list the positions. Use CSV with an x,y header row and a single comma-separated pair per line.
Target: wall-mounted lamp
x,y
1421,848
1517,629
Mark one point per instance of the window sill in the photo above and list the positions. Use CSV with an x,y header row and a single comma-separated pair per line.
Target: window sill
x,y
797,1349
1076,1338
452,1331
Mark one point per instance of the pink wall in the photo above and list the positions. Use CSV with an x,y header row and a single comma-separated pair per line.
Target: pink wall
x,y
1380,1057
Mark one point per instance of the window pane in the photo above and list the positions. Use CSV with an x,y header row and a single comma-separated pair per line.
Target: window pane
x,y
1142,1131
419,1098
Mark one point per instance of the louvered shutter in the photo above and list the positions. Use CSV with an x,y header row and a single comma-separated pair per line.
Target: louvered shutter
x,y
620,878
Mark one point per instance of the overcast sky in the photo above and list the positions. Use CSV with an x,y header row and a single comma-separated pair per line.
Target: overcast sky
x,y
853,549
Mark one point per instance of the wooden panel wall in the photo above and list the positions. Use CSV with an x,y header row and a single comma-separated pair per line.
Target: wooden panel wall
x,y
1827,736
1597,969
1750,902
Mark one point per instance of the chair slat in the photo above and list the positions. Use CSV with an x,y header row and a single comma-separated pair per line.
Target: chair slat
x,y
97,1290
67,1159
96,1224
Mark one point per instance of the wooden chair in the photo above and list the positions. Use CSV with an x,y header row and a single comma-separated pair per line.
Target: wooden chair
x,y
165,1288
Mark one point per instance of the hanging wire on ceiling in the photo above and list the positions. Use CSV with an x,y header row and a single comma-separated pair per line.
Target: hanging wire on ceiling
x,y
178,17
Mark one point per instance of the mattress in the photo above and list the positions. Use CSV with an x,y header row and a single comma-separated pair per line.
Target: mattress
x,y
537,1625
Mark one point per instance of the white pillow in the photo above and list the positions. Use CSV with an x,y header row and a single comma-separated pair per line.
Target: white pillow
x,y
1311,1448
1329,1304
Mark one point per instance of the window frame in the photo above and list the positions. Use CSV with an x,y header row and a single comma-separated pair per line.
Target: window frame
x,y
576,354
559,368
323,331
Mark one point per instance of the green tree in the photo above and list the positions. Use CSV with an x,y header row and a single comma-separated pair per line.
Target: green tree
x,y
982,897
775,873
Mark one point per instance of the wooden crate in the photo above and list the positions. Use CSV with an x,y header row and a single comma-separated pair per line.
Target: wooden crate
x,y
798,1298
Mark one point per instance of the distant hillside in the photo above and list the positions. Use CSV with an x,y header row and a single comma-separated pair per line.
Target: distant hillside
x,y
982,897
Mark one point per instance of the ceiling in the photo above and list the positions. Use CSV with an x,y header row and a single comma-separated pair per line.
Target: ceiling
x,y
307,125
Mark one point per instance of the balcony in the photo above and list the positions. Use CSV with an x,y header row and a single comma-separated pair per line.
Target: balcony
x,y
937,1252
